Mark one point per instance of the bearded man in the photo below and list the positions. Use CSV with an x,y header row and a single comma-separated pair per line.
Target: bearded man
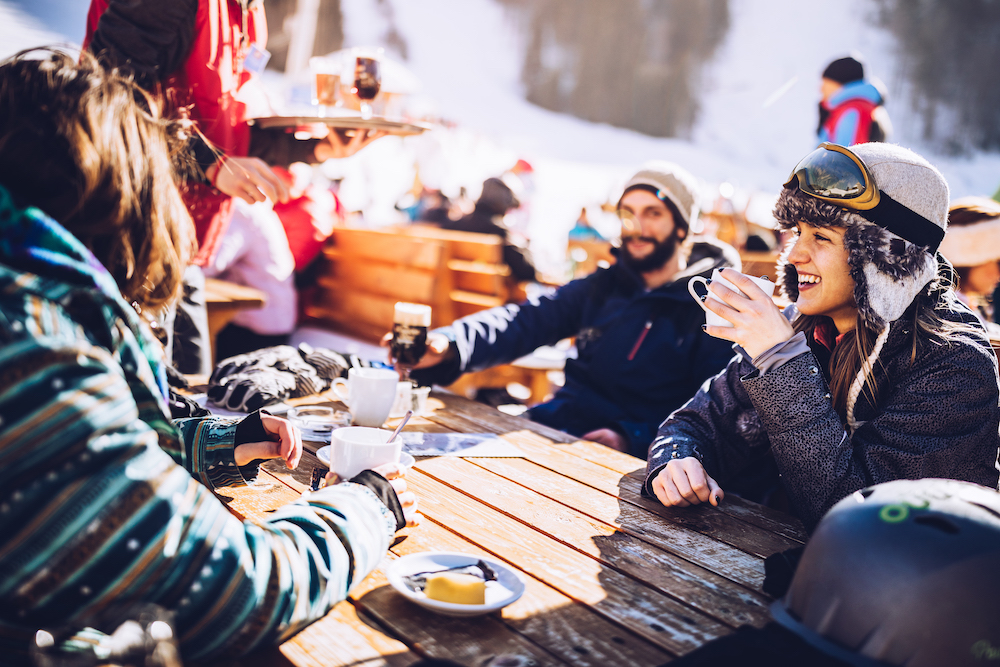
x,y
641,349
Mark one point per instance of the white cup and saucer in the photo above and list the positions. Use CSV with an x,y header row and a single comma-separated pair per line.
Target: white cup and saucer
x,y
353,449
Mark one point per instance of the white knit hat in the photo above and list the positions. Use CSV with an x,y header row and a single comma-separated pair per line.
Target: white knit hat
x,y
674,183
888,271
973,236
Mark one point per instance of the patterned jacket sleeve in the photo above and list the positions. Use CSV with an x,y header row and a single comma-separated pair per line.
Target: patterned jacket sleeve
x,y
94,513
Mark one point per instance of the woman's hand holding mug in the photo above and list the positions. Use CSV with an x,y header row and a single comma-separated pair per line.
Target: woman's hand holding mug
x,y
739,308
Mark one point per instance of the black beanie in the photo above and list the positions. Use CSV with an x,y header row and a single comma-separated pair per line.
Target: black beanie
x,y
844,70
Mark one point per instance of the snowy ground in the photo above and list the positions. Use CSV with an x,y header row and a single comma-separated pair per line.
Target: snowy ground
x,y
758,119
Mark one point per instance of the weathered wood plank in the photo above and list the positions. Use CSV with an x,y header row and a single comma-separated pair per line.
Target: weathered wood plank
x,y
718,557
256,502
565,628
463,415
702,519
647,612
343,639
544,615
658,566
465,640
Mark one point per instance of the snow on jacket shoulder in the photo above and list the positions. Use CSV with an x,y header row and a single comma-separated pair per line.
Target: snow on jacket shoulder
x,y
641,353
936,417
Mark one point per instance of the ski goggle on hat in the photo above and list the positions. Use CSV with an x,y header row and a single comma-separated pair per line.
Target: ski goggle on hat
x,y
835,175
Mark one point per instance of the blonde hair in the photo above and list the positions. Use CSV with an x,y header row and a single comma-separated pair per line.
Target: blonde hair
x,y
89,148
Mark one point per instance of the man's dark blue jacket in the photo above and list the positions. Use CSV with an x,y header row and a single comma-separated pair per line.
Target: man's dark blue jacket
x,y
641,353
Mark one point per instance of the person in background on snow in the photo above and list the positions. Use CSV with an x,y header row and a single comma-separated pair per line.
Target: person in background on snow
x,y
583,230
638,333
875,372
106,502
973,248
852,109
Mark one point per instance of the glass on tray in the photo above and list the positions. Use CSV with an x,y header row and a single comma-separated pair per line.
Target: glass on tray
x,y
326,83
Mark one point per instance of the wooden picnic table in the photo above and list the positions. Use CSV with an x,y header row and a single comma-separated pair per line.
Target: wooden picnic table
x,y
612,578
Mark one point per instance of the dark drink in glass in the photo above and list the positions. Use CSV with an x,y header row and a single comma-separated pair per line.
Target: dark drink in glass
x,y
367,78
367,82
409,333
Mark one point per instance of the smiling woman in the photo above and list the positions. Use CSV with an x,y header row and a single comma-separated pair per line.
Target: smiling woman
x,y
842,389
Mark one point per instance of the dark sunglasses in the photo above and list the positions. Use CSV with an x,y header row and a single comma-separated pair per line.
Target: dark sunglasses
x,y
835,175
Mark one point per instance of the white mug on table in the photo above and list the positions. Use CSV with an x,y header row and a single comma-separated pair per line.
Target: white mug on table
x,y
711,319
357,448
368,394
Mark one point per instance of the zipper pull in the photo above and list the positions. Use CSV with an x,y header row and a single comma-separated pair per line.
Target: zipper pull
x,y
642,337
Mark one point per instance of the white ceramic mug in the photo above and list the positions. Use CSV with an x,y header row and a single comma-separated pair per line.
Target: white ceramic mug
x,y
711,319
357,448
368,394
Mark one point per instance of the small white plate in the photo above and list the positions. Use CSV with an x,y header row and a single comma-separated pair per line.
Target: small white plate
x,y
323,454
507,589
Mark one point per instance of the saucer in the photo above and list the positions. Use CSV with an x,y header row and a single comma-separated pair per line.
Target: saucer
x,y
323,454
506,589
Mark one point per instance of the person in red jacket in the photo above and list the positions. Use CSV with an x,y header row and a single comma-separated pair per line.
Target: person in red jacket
x,y
198,54
851,110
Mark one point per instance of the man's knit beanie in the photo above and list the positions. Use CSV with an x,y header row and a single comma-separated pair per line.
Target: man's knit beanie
x,y
670,183
845,70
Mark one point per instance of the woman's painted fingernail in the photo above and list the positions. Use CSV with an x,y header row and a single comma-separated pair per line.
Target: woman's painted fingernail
x,y
703,297
704,327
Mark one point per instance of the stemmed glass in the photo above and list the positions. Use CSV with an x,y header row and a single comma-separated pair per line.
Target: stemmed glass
x,y
326,87
367,81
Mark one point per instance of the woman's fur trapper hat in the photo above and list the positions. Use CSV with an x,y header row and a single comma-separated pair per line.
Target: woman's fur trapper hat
x,y
888,271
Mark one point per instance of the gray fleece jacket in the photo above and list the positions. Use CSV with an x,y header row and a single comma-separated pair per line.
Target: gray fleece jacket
x,y
935,417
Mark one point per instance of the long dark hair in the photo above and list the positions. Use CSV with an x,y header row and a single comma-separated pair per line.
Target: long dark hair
x,y
89,148
922,321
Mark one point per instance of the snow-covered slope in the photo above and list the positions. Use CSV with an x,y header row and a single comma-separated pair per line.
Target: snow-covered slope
x,y
758,108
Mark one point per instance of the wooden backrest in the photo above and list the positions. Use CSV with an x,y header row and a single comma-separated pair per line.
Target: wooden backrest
x,y
367,271
478,277
760,263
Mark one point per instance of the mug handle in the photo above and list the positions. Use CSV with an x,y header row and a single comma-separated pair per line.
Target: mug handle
x,y
335,388
694,294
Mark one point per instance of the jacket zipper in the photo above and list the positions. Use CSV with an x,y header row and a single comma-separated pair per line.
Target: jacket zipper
x,y
642,337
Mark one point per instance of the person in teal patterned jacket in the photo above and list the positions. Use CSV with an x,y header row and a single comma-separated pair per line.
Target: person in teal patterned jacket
x,y
104,501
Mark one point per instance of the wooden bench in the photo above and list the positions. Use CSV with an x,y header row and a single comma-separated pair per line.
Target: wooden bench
x,y
223,300
758,264
366,271
475,272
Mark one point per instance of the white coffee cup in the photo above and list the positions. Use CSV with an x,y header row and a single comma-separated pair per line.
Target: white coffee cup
x,y
368,394
711,319
357,448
